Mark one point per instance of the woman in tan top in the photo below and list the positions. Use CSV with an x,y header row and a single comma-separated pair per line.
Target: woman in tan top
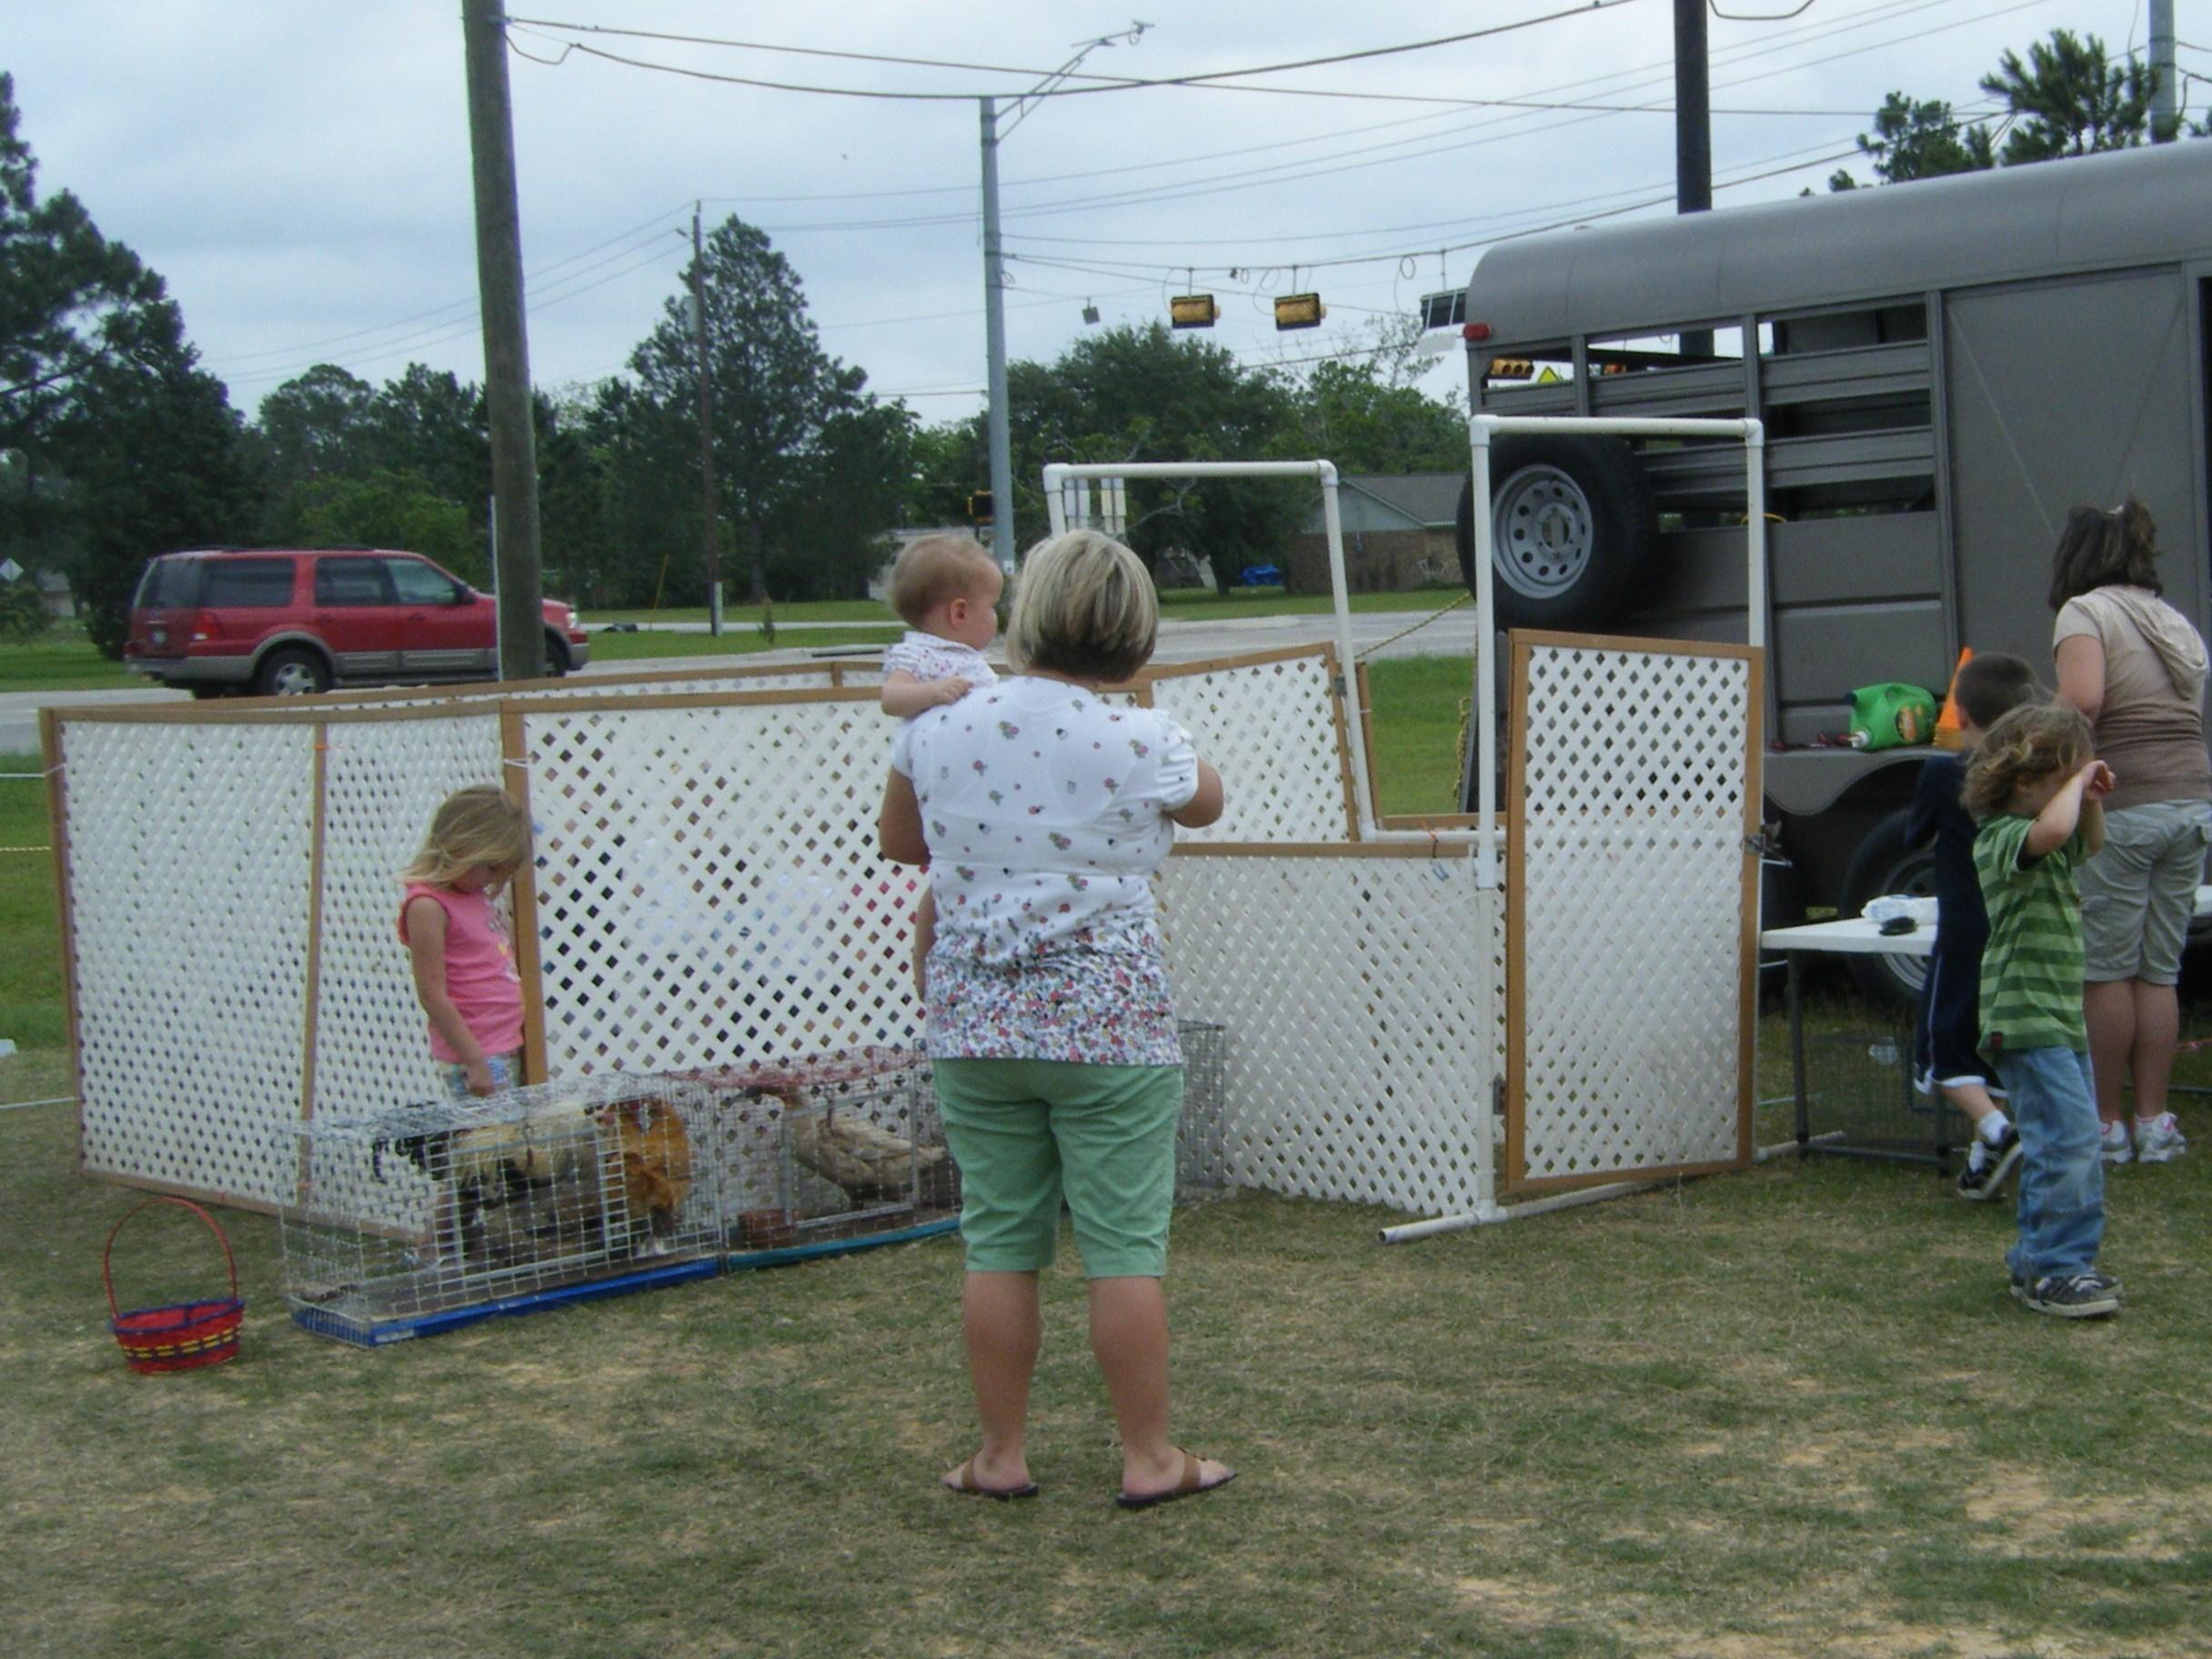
x,y
2136,666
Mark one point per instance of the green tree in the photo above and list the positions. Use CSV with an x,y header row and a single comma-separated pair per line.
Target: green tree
x,y
2070,99
774,389
1920,140
156,463
834,527
434,425
1147,394
1346,411
126,447
23,616
314,425
69,298
2067,99
390,509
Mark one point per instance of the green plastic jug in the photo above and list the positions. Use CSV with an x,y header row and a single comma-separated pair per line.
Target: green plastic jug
x,y
1891,716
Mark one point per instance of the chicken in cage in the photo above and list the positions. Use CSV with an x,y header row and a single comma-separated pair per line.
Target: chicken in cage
x,y
833,1149
451,1205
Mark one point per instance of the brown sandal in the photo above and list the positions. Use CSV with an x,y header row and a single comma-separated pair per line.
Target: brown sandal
x,y
1189,1486
967,1486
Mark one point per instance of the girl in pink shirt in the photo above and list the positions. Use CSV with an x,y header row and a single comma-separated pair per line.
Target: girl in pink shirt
x,y
462,953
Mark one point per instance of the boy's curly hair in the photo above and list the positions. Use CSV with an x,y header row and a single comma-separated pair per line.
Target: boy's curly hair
x,y
2031,742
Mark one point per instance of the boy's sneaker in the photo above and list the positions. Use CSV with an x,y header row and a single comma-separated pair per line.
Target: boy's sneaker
x,y
1987,1165
2116,1147
2090,1295
2160,1140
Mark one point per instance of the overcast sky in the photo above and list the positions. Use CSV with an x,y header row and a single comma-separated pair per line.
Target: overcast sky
x,y
299,170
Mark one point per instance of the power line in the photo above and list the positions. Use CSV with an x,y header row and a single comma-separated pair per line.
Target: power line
x,y
1099,83
1863,17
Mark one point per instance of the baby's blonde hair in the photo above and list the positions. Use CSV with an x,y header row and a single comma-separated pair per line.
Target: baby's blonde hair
x,y
934,569
1084,606
2028,743
478,826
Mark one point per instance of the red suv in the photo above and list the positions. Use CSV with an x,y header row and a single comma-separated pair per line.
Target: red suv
x,y
278,623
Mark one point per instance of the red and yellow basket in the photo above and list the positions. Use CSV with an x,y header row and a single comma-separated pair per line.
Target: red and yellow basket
x,y
179,1336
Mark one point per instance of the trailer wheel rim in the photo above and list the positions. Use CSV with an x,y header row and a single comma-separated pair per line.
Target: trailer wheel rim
x,y
1544,533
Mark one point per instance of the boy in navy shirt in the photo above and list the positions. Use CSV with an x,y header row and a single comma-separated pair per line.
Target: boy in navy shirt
x,y
1946,1043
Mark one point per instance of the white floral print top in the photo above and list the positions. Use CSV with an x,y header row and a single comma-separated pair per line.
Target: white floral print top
x,y
932,657
1046,814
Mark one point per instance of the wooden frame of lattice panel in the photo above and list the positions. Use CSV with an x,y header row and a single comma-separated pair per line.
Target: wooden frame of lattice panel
x,y
1597,1137
186,962
1357,987
1400,820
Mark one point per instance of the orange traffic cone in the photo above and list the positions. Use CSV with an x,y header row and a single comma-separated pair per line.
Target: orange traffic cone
x,y
1946,723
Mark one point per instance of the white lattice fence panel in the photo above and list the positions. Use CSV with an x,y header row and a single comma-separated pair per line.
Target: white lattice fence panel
x,y
383,780
708,888
1633,823
1270,728
188,875
1358,994
590,688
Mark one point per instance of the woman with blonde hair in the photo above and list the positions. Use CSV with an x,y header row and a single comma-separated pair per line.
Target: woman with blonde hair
x,y
1042,811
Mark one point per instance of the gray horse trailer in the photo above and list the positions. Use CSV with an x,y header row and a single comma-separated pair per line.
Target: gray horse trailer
x,y
1944,370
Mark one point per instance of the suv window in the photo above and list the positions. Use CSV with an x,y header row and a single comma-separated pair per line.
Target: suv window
x,y
417,584
169,583
247,584
350,581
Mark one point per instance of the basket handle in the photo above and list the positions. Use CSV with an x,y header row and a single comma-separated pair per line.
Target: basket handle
x,y
108,1277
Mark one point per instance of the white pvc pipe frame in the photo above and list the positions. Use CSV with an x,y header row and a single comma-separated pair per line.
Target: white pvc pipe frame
x,y
1064,490
1067,496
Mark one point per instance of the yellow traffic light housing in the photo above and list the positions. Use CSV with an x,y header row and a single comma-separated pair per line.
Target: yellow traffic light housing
x,y
1299,311
979,507
1193,311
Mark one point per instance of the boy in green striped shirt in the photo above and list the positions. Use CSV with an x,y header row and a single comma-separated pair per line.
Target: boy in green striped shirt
x,y
2033,788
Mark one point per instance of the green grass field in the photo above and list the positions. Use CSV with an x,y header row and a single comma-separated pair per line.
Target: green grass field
x,y
1787,1412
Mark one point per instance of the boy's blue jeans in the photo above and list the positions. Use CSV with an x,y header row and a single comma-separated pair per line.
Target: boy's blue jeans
x,y
2062,1173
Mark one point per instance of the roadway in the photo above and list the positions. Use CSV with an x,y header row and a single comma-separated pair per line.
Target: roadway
x,y
1373,634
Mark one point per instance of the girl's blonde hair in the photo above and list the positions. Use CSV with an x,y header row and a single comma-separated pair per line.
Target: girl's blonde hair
x,y
936,568
2026,744
1084,606
480,825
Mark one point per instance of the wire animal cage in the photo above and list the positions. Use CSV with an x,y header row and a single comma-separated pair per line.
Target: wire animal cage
x,y
829,1154
1201,1138
418,1219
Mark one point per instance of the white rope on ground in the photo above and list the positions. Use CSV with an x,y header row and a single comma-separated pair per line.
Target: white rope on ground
x,y
59,1100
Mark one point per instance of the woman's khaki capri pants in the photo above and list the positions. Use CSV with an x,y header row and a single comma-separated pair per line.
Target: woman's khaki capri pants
x,y
1029,1132
2139,891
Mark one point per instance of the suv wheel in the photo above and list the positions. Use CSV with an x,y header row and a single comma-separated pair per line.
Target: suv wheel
x,y
556,655
291,673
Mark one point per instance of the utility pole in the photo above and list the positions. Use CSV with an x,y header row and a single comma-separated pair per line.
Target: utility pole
x,y
2165,98
994,347
994,293
1693,134
506,355
712,545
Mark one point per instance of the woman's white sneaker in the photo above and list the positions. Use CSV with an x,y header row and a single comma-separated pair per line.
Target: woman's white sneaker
x,y
2115,1147
2158,1140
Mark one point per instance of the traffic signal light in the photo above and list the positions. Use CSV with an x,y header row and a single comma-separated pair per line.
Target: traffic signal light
x,y
1192,311
979,507
1299,311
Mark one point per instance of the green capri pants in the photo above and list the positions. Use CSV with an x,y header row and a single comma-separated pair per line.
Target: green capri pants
x,y
1029,1132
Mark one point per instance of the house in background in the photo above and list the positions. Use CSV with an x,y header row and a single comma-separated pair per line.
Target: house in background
x,y
1398,534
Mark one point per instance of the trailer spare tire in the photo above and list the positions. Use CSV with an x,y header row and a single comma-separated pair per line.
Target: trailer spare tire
x,y
1572,522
